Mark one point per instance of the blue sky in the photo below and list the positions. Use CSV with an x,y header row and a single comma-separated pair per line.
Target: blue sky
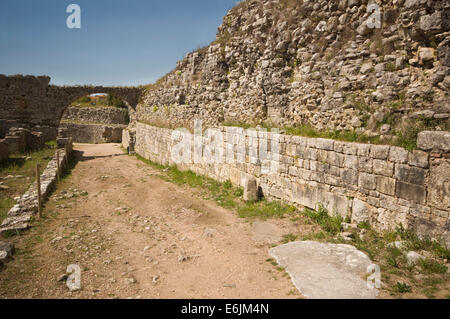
x,y
121,42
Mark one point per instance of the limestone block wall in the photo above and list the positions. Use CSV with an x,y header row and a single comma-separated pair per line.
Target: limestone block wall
x,y
384,185
93,133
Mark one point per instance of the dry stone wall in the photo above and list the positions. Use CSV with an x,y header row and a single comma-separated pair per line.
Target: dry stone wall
x,y
20,215
384,185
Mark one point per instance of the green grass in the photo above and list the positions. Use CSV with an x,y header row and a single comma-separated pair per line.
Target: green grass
x,y
18,164
330,224
430,266
102,101
308,131
265,209
376,245
5,205
401,287
406,138
224,194
288,238
414,242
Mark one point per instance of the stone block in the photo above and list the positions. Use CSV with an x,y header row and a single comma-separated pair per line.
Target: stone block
x,y
410,174
436,141
363,149
325,144
311,154
350,161
418,158
349,176
349,148
360,211
383,167
439,184
336,159
412,192
4,150
386,185
379,151
365,164
398,155
367,181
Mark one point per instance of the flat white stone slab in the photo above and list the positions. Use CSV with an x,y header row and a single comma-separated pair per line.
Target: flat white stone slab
x,y
326,271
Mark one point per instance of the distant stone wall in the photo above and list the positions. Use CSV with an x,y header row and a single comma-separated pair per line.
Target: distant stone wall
x,y
30,102
93,133
105,115
384,185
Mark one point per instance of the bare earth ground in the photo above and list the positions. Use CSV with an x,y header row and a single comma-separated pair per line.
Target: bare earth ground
x,y
135,235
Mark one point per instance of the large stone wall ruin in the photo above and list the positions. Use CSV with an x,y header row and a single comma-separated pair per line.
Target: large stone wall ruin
x,y
94,124
299,62
30,102
104,115
92,133
384,185
316,63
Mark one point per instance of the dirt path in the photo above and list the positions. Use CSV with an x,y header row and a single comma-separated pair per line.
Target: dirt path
x,y
137,236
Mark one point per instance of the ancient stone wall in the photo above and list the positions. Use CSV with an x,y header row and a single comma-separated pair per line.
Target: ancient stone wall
x,y
317,63
104,115
92,133
94,124
30,102
20,215
384,185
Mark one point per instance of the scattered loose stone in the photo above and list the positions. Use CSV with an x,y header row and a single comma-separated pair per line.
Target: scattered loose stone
x,y
413,258
210,232
129,281
56,239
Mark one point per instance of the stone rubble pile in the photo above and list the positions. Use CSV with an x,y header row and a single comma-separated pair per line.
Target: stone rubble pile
x,y
19,140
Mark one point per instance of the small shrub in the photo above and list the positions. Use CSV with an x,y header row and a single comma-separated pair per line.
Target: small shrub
x,y
401,287
390,67
331,224
288,238
432,267
364,225
227,184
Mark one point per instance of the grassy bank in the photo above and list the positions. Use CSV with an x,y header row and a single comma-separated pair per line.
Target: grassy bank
x,y
18,173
